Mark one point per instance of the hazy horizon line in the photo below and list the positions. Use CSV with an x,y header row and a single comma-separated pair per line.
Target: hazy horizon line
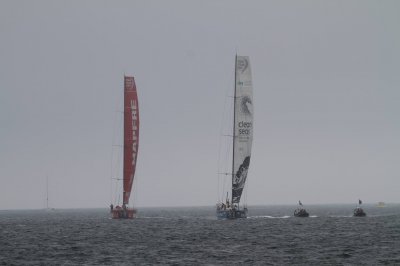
x,y
200,206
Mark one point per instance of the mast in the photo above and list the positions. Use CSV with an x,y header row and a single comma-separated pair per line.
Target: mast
x,y
47,192
233,132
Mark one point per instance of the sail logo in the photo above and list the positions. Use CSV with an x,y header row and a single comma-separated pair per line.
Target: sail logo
x,y
134,130
239,180
242,64
129,83
243,84
245,127
246,105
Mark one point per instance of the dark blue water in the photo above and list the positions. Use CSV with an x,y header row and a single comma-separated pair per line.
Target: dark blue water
x,y
185,236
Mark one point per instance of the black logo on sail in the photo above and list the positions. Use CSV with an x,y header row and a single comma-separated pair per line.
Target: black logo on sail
x,y
240,178
246,105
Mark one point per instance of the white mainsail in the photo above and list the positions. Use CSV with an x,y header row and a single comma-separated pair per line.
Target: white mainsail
x,y
243,126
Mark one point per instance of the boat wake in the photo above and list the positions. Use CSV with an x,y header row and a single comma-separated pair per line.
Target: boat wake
x,y
268,217
154,217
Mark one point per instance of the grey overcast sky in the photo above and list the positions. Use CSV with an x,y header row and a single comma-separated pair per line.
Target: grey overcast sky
x,y
326,99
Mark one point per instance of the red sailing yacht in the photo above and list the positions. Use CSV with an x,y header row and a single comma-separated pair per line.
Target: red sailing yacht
x,y
131,145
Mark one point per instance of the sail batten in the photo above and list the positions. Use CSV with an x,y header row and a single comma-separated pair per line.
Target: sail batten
x,y
131,135
243,125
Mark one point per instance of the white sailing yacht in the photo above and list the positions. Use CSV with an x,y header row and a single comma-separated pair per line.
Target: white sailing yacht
x,y
242,140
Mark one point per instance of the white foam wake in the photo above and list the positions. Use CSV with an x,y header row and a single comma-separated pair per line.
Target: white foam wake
x,y
268,217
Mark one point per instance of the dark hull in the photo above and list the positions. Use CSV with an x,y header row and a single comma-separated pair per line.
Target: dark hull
x,y
358,212
123,214
301,213
231,214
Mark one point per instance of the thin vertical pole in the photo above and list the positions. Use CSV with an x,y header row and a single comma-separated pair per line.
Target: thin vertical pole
x,y
47,192
233,133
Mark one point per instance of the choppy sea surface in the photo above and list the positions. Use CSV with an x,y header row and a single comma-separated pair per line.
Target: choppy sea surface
x,y
193,236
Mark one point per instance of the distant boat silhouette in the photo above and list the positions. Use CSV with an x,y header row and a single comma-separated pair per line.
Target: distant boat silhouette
x,y
47,195
300,211
358,211
381,204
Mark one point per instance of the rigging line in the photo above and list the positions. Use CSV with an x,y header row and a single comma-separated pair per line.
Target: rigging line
x,y
223,155
233,128
118,163
245,191
226,165
118,101
135,189
47,192
118,167
222,128
135,186
117,173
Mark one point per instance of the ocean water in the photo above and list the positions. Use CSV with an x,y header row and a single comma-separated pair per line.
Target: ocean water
x,y
193,236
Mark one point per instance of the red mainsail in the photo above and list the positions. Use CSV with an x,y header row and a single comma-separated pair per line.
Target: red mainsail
x,y
131,134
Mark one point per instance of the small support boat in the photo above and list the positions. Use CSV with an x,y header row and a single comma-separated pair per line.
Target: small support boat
x,y
359,212
300,211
